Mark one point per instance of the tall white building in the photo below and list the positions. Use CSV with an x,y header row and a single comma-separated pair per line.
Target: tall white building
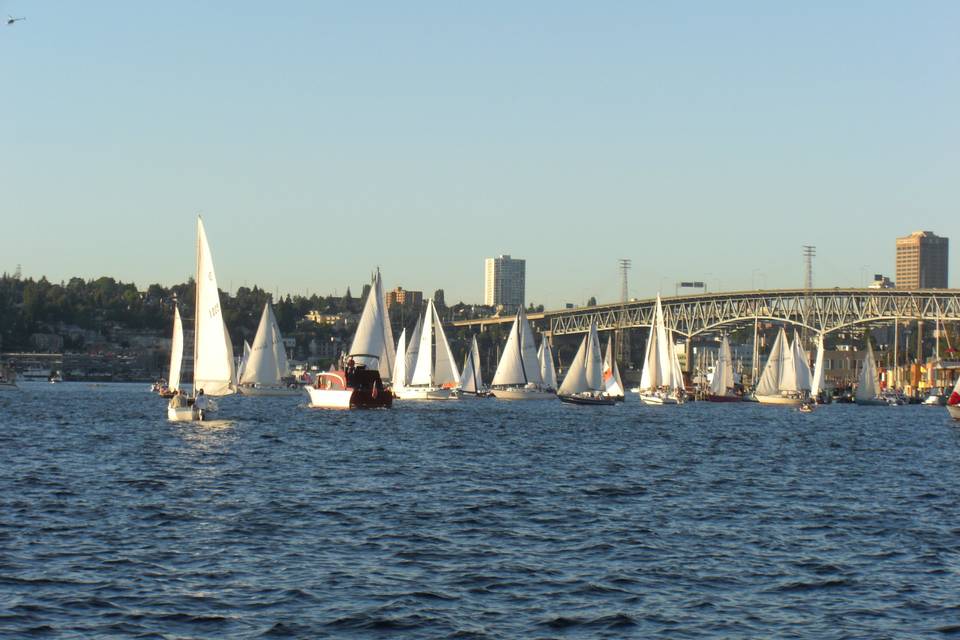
x,y
504,282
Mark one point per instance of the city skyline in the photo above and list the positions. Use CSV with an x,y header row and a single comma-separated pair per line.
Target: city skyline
x,y
322,141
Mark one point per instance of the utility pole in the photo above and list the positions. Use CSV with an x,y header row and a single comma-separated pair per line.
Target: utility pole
x,y
809,251
622,336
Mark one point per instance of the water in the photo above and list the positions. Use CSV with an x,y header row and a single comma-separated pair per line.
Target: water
x,y
474,519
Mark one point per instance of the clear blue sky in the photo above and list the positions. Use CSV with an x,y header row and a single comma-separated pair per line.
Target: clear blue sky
x,y
703,140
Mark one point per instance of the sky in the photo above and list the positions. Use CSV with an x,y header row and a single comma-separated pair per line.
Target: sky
x,y
702,140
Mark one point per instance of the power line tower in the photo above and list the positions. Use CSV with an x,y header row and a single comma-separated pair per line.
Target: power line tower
x,y
623,335
809,251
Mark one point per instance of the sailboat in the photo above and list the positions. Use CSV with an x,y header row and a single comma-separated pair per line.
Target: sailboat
x,y
176,357
953,402
583,383
868,389
548,372
471,381
786,377
612,383
242,363
266,365
662,379
433,374
359,383
213,373
722,385
518,373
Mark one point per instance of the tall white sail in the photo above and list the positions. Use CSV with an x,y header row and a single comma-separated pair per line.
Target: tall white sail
x,y
817,381
661,365
769,384
594,360
213,353
800,364
867,385
243,360
788,369
434,364
613,385
176,352
519,364
267,362
722,381
548,372
576,379
471,380
445,367
400,368
374,335
423,367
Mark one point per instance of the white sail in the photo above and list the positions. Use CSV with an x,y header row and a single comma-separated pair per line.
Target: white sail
x,y
576,379
817,381
867,386
548,373
676,381
176,352
400,368
471,380
800,364
769,384
243,360
213,352
267,362
519,364
728,381
445,367
613,385
649,377
661,365
788,369
722,380
374,335
594,361
413,348
423,367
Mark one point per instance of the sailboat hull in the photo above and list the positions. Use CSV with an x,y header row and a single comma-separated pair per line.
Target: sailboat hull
x,y
954,411
657,399
182,414
592,400
781,400
422,393
713,398
523,393
872,402
267,390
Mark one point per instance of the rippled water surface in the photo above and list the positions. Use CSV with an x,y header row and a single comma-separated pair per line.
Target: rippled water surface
x,y
474,519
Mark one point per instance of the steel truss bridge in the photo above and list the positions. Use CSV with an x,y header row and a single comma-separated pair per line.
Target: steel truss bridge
x,y
819,310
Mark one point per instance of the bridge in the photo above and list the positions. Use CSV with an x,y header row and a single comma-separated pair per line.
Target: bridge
x,y
818,310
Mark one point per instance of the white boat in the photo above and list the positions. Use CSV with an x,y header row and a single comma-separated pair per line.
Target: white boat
x,y
868,387
433,373
583,383
266,366
213,373
661,382
176,357
612,383
786,377
518,373
361,383
953,402
471,380
721,387
548,372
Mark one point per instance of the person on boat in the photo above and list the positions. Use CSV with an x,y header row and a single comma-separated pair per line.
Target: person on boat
x,y
177,401
201,402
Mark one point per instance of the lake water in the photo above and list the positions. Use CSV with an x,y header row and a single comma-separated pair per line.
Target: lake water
x,y
474,519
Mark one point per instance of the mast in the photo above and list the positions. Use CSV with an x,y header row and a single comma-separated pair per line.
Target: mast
x,y
196,306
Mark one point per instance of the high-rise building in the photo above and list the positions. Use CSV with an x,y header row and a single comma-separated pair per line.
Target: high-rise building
x,y
921,261
504,282
402,297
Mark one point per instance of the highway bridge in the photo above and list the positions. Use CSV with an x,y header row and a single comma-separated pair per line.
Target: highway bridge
x,y
819,310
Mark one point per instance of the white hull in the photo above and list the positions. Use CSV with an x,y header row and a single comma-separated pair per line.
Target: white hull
x,y
269,391
781,400
954,411
422,393
181,414
657,399
329,398
523,393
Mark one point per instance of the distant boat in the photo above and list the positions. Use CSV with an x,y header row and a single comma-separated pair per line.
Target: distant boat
x,y
868,387
471,380
583,383
359,383
953,402
661,381
8,378
266,365
213,372
434,374
518,372
786,376
242,363
169,387
721,385
817,392
612,382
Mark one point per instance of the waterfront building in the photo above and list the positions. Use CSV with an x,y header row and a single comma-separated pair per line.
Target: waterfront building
x,y
504,282
881,281
922,261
